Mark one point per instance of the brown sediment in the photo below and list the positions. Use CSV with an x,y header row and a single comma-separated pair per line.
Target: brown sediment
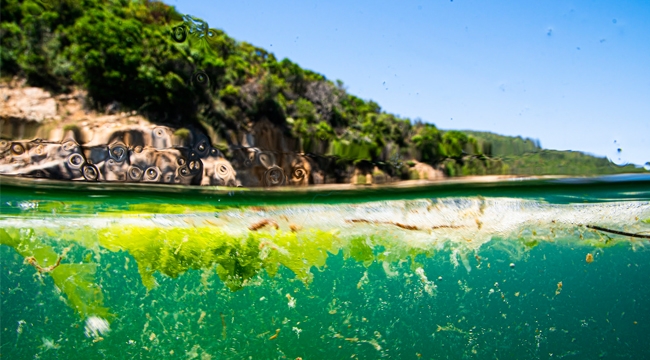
x,y
405,226
400,225
359,221
262,223
445,227
617,232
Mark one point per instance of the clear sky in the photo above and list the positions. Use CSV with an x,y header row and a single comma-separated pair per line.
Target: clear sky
x,y
573,74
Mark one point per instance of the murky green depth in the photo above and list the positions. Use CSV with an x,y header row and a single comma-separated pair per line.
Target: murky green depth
x,y
427,278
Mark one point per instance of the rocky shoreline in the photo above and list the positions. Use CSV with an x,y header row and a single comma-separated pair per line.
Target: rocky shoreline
x,y
59,137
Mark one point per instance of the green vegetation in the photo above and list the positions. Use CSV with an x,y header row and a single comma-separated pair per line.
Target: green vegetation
x,y
551,162
175,69
76,281
499,145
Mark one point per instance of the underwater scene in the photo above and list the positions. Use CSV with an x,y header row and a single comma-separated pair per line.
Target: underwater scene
x,y
456,270
192,179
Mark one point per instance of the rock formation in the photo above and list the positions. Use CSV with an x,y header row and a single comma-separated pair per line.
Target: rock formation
x,y
68,141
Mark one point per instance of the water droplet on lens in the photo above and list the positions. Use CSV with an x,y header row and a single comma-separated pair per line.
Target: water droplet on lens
x,y
17,149
614,21
179,33
200,78
135,173
75,160
647,166
90,172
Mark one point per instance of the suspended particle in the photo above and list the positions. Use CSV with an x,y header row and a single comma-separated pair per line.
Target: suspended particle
x,y
589,259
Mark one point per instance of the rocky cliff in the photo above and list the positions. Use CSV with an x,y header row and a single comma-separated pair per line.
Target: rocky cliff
x,y
59,137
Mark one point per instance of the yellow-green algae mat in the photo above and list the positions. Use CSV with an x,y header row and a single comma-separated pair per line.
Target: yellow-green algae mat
x,y
238,243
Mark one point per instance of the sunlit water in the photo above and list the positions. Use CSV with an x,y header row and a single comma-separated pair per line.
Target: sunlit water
x,y
510,270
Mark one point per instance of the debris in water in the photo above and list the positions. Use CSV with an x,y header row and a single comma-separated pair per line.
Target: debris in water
x,y
292,301
260,224
96,326
223,325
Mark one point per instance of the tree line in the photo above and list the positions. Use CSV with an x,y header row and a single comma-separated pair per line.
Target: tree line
x,y
176,69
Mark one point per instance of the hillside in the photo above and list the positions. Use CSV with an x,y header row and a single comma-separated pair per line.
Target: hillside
x,y
176,70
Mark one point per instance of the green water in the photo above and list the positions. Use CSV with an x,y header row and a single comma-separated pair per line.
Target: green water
x,y
454,271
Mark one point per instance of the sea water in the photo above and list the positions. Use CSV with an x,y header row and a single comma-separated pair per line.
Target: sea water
x,y
550,268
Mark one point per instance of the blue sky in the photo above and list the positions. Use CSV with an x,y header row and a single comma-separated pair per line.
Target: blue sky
x,y
573,74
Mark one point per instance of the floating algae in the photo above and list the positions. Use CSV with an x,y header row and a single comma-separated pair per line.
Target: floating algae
x,y
385,232
76,281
